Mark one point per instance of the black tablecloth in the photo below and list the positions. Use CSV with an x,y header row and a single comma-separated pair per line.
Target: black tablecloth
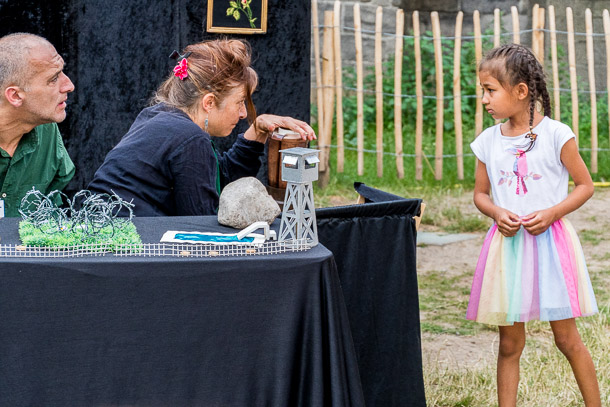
x,y
162,331
374,247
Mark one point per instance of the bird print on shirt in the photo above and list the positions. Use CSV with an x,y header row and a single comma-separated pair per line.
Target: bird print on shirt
x,y
519,173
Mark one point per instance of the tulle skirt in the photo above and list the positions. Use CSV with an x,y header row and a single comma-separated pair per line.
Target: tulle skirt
x,y
526,277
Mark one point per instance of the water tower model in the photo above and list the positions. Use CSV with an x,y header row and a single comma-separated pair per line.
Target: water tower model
x,y
299,170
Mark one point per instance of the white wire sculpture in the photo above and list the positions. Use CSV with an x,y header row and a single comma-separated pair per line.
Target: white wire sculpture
x,y
86,213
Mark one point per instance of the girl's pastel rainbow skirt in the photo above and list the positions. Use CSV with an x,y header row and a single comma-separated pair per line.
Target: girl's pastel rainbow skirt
x,y
526,277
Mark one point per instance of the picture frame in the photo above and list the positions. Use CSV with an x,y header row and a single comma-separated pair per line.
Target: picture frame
x,y
237,16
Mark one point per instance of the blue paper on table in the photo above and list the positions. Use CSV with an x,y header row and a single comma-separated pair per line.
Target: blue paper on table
x,y
173,236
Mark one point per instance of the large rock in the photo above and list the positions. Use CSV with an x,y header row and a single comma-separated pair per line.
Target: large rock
x,y
244,202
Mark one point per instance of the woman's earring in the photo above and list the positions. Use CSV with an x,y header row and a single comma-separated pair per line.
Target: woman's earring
x,y
205,123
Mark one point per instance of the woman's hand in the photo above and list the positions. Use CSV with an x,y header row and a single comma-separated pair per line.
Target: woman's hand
x,y
508,223
538,222
265,124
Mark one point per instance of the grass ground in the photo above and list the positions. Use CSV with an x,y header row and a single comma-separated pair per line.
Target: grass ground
x,y
459,355
467,377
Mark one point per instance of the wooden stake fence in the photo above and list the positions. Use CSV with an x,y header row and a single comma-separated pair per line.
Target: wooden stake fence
x,y
556,102
591,66
328,73
515,16
379,90
457,95
572,69
497,27
359,89
338,82
478,55
606,18
329,82
316,47
400,29
440,94
419,94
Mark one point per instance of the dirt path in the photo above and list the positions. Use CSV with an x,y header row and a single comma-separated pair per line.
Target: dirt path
x,y
459,259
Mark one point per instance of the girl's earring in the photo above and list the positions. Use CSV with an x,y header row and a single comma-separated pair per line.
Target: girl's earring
x,y
205,123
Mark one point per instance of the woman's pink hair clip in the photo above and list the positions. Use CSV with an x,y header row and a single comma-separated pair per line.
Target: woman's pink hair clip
x,y
181,70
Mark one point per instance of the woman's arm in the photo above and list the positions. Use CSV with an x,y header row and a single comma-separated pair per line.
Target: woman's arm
x,y
508,223
539,221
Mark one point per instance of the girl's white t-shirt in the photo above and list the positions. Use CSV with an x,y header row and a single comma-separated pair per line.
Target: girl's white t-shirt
x,y
524,183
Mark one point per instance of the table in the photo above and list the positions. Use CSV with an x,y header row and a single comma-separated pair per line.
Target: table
x,y
157,331
374,246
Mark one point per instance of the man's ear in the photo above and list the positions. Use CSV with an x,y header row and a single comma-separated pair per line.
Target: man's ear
x,y
522,91
208,101
14,95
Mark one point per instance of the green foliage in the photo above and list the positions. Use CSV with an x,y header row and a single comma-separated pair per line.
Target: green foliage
x,y
32,236
464,223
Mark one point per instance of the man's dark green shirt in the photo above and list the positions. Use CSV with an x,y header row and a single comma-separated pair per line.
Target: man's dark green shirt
x,y
40,161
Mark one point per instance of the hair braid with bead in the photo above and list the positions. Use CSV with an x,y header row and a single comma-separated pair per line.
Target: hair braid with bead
x,y
512,64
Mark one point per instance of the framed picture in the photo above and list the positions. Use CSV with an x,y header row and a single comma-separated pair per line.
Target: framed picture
x,y
237,16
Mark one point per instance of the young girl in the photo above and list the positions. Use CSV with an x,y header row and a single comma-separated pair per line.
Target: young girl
x,y
531,265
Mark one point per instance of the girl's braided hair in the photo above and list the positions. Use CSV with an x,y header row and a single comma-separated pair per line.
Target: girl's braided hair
x,y
512,64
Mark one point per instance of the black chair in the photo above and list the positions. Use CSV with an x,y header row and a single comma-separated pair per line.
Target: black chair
x,y
374,247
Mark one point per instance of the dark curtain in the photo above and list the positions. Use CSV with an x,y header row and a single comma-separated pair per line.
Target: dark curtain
x,y
374,247
116,53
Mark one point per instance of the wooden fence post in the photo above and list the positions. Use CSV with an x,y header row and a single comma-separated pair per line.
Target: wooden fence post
x,y
379,90
419,115
497,30
457,95
478,54
535,32
541,35
359,89
400,29
591,66
572,68
319,90
556,85
607,36
440,94
328,82
515,14
338,83
497,27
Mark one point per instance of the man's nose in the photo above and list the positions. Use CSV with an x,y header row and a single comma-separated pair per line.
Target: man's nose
x,y
66,85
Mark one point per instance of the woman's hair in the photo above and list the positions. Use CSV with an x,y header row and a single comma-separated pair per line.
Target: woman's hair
x,y
216,67
512,64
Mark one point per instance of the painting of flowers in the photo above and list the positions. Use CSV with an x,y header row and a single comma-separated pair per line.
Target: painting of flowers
x,y
237,16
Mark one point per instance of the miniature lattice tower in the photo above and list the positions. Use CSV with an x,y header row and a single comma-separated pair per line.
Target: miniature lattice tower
x,y
299,170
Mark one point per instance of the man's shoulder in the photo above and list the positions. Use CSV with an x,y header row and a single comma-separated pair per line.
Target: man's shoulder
x,y
46,129
46,134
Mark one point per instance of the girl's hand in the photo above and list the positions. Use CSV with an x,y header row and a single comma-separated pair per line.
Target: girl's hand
x,y
538,222
508,223
265,124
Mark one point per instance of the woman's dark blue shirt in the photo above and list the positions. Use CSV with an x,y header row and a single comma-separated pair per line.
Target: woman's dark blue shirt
x,y
166,165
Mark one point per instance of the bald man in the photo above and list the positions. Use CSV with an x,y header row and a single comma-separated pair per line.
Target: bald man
x,y
34,93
